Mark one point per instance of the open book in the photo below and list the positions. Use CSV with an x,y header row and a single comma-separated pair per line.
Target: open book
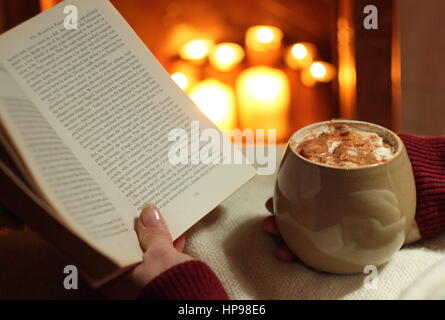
x,y
85,117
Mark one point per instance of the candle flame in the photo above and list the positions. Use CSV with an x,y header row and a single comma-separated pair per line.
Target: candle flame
x,y
299,51
318,70
196,50
180,79
226,56
300,55
263,38
265,35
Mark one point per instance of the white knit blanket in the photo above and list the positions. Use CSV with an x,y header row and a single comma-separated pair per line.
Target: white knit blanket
x,y
232,242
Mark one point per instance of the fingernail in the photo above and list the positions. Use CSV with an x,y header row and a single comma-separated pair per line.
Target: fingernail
x,y
150,216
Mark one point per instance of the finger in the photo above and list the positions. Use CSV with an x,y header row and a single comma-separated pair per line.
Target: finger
x,y
269,204
152,228
179,243
283,253
413,234
270,226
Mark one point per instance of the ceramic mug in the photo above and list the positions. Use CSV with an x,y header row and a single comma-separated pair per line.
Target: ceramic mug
x,y
339,219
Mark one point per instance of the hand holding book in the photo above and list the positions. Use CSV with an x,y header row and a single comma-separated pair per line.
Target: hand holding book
x,y
85,116
165,272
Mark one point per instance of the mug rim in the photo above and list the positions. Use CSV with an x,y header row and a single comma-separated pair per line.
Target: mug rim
x,y
369,166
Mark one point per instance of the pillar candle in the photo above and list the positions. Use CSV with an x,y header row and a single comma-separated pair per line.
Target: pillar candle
x,y
263,45
264,99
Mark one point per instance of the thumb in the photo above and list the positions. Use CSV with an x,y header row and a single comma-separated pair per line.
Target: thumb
x,y
152,228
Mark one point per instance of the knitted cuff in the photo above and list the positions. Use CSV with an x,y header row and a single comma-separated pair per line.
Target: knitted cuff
x,y
190,280
427,156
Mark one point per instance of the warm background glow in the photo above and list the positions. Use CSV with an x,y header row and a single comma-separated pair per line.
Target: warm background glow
x,y
201,40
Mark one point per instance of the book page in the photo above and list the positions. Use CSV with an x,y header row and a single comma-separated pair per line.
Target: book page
x,y
69,188
114,106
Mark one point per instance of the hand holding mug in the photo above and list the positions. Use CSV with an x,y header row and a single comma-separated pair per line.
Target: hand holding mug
x,y
341,219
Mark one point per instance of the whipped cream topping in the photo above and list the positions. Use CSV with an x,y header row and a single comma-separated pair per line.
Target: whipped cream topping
x,y
345,146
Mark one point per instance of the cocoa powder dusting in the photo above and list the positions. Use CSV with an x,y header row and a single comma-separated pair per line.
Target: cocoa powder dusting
x,y
343,146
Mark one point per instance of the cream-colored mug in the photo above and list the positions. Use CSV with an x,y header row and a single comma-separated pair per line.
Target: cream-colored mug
x,y
339,219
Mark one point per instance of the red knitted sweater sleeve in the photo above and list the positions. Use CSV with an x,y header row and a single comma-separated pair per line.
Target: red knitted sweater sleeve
x,y
427,156
191,280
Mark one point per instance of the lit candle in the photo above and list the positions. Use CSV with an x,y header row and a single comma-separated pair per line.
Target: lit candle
x,y
226,56
318,71
263,38
184,73
263,44
217,101
300,55
196,50
264,98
